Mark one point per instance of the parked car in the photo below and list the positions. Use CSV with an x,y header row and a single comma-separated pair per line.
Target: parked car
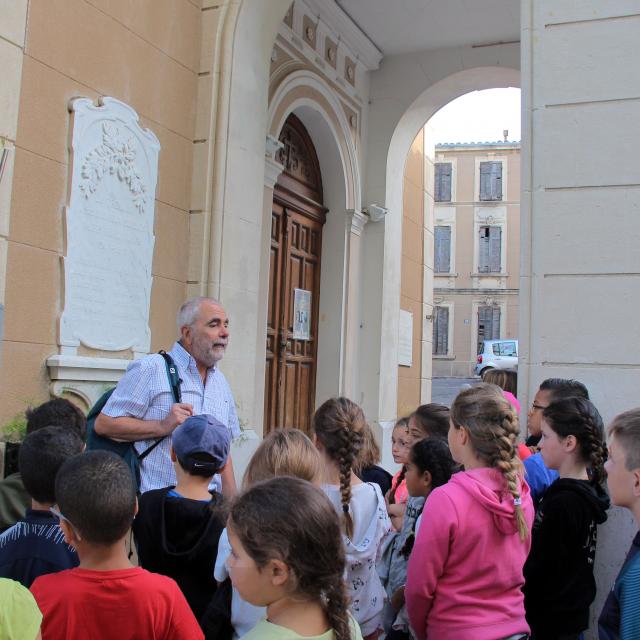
x,y
497,354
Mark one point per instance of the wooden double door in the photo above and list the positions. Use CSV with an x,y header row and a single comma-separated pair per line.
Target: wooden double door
x,y
294,284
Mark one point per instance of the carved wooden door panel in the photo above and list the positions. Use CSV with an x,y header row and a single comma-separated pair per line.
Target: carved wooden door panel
x,y
296,245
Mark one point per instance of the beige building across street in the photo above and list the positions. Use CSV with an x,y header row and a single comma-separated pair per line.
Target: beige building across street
x,y
476,251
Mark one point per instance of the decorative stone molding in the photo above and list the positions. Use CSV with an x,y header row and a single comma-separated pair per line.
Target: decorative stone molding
x,y
340,23
272,168
356,221
109,230
84,377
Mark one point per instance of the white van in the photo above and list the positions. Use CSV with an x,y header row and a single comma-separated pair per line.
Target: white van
x,y
497,354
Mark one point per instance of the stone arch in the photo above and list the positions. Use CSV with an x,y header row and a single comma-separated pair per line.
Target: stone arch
x,y
395,128
304,92
306,95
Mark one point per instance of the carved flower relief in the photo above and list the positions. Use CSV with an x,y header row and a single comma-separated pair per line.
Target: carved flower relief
x,y
115,156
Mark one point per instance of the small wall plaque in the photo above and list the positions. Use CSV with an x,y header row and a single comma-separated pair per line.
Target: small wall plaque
x,y
405,339
301,314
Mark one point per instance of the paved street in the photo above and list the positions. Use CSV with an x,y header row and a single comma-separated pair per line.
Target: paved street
x,y
444,390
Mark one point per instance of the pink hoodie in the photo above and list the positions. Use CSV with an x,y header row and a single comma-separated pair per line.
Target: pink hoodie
x,y
465,570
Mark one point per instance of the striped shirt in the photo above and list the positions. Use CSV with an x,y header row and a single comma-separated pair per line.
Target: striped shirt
x,y
33,547
144,393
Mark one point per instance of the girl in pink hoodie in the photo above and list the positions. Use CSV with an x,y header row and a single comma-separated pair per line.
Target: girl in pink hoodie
x,y
465,571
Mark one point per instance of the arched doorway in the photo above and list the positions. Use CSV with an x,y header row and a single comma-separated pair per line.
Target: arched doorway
x,y
297,218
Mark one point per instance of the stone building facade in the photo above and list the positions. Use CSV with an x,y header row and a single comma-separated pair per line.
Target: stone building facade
x,y
476,251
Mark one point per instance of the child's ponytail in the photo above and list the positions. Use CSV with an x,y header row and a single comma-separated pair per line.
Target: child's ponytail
x,y
339,425
492,425
336,609
396,486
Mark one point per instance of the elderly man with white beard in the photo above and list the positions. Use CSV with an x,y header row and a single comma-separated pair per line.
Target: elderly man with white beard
x,y
142,407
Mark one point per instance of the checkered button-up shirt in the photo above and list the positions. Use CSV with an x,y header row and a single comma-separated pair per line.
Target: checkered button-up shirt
x,y
144,393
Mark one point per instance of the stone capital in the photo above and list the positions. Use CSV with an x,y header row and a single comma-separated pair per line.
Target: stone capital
x,y
356,220
272,168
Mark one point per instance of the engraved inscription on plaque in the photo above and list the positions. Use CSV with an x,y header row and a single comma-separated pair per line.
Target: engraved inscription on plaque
x,y
109,229
301,314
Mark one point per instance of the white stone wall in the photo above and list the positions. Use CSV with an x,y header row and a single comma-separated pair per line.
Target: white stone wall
x,y
581,229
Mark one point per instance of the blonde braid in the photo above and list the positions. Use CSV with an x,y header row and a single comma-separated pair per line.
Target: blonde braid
x,y
507,462
493,429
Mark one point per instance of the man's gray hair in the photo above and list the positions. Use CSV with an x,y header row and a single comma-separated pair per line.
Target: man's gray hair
x,y
189,310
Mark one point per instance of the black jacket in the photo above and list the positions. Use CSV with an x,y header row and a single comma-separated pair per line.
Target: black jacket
x,y
559,583
178,537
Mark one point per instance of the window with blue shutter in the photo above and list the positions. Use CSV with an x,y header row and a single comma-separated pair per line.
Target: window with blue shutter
x,y
442,253
491,181
488,323
440,331
442,187
490,250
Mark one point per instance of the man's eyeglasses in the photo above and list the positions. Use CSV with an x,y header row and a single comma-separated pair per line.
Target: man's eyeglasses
x,y
58,515
537,407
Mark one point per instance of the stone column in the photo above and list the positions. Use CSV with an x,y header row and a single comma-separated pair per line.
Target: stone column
x,y
355,223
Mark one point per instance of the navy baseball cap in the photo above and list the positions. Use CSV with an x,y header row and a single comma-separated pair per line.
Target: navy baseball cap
x,y
201,434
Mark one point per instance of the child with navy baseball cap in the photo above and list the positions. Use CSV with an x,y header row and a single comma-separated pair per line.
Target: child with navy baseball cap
x,y
177,528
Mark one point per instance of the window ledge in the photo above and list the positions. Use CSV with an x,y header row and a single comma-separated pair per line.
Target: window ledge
x,y
500,274
442,357
445,275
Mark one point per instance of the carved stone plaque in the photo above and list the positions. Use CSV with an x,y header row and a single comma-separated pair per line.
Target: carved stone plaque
x,y
109,229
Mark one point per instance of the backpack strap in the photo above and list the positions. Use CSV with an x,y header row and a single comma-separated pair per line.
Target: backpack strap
x,y
174,383
172,374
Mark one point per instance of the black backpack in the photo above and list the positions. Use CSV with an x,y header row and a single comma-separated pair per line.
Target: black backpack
x,y
126,450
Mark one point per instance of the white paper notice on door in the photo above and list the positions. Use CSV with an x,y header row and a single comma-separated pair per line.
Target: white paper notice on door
x,y
405,339
301,314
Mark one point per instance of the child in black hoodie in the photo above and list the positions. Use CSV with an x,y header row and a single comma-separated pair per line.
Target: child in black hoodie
x,y
559,583
177,528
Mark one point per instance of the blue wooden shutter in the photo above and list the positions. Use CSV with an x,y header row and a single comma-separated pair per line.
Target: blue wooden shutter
x,y
491,181
442,249
495,249
441,331
442,191
483,250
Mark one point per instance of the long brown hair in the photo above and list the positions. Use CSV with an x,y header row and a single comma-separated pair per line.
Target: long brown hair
x,y
370,453
290,520
432,419
339,425
492,425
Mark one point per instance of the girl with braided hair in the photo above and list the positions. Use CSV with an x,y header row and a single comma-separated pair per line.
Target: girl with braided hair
x,y
287,555
560,585
338,431
397,496
464,577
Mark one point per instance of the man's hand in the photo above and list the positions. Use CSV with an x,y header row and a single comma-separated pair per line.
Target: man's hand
x,y
178,413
